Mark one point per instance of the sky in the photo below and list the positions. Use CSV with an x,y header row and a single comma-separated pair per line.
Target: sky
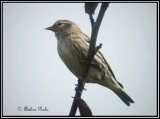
x,y
36,81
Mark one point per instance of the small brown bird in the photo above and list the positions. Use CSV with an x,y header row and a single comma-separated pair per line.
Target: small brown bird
x,y
73,47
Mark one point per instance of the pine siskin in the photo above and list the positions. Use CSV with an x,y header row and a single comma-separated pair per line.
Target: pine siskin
x,y
73,47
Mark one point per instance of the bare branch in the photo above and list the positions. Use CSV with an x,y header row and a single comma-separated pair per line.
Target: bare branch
x,y
91,20
92,51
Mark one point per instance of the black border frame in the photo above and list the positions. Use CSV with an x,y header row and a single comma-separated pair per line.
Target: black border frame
x,y
33,116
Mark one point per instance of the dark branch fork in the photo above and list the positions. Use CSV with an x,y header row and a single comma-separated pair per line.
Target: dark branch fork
x,y
92,51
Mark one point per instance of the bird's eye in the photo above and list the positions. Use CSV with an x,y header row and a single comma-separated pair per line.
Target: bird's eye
x,y
59,24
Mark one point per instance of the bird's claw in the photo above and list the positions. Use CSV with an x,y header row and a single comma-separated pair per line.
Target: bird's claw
x,y
76,89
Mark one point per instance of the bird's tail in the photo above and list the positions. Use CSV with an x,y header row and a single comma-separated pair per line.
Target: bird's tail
x,y
116,87
124,96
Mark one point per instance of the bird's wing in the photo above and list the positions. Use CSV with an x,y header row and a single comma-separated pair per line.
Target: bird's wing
x,y
109,68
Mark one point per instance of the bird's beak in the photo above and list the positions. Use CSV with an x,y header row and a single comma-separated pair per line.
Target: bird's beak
x,y
50,28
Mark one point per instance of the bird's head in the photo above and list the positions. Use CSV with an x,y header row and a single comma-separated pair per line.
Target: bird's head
x,y
64,27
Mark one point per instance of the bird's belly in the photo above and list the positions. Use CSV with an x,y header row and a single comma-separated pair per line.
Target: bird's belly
x,y
75,62
71,59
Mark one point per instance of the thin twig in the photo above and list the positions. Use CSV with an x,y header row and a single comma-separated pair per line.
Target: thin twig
x,y
91,20
92,51
98,47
